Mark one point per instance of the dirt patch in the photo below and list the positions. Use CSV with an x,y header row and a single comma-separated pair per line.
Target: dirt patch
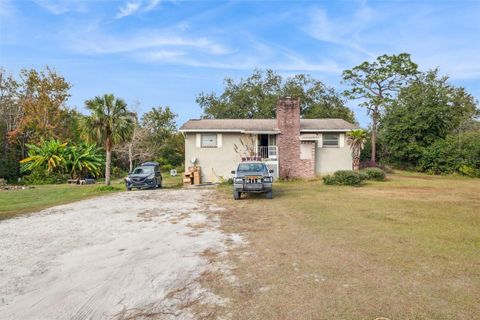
x,y
135,255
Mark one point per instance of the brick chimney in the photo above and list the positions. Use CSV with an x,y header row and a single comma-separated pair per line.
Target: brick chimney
x,y
291,163
288,122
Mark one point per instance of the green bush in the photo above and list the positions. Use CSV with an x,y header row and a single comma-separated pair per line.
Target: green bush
x,y
40,176
376,174
455,154
344,178
118,172
167,168
107,188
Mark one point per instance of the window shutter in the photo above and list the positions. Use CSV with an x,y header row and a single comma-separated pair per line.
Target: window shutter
x,y
199,139
341,140
219,140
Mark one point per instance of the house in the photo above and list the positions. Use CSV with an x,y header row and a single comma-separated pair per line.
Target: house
x,y
291,146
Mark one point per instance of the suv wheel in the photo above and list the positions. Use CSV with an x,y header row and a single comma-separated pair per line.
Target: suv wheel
x,y
269,195
236,195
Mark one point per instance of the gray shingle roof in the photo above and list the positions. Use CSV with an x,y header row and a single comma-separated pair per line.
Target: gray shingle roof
x,y
263,125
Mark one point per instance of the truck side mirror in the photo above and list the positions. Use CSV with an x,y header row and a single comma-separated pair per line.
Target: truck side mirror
x,y
271,170
232,172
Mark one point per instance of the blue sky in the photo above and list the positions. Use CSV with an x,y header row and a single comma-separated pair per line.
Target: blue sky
x,y
153,52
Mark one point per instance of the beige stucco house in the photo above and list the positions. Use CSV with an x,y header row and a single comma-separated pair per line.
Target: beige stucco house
x,y
291,146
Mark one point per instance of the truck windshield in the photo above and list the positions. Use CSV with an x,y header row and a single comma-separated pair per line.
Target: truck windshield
x,y
252,167
143,170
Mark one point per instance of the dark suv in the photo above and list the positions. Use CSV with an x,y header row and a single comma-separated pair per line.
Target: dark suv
x,y
146,176
252,177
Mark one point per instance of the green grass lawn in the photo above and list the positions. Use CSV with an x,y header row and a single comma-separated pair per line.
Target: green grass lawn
x,y
16,202
406,248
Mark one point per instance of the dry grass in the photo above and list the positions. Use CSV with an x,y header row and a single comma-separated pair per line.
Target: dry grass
x,y
408,248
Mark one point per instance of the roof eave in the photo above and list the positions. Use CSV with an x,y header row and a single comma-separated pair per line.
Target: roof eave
x,y
326,130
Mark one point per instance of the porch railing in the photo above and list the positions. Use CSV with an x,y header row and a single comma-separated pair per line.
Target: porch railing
x,y
267,152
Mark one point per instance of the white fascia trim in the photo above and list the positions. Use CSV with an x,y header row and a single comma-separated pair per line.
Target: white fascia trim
x,y
326,130
261,132
211,130
229,130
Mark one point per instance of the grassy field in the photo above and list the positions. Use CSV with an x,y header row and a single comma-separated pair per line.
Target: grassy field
x,y
406,248
13,203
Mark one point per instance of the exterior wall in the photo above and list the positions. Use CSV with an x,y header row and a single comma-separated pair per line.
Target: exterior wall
x,y
288,141
215,163
331,159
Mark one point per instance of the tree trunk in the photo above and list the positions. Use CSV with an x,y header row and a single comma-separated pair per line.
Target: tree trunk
x,y
108,163
356,159
374,137
130,155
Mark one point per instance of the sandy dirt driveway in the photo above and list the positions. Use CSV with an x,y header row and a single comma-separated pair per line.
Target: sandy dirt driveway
x,y
120,256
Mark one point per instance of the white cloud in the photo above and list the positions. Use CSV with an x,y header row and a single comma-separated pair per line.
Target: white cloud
x,y
152,4
438,36
95,42
132,7
128,9
62,6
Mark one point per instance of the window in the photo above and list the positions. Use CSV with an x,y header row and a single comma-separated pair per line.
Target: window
x,y
209,140
330,140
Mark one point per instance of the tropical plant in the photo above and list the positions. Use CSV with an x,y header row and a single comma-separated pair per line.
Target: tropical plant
x,y
83,159
110,123
356,139
48,155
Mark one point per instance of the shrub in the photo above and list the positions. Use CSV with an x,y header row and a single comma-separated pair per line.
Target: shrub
x,y
344,178
376,174
455,154
40,176
107,188
167,168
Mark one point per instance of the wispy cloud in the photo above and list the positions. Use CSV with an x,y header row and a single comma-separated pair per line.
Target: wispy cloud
x,y
363,33
132,7
128,9
61,6
97,42
6,8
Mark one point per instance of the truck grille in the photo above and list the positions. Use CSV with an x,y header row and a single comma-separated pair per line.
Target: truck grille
x,y
253,180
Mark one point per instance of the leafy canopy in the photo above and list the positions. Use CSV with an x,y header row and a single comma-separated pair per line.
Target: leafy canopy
x,y
377,82
427,110
109,122
257,96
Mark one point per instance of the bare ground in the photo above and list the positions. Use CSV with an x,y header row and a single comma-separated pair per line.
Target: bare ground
x,y
135,255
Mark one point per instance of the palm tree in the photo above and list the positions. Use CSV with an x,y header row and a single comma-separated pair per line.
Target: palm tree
x,y
110,122
356,139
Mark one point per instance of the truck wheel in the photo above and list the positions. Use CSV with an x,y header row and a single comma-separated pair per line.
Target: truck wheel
x,y
236,195
269,195
129,189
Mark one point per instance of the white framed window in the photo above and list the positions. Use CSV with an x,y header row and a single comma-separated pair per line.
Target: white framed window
x,y
330,140
208,140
